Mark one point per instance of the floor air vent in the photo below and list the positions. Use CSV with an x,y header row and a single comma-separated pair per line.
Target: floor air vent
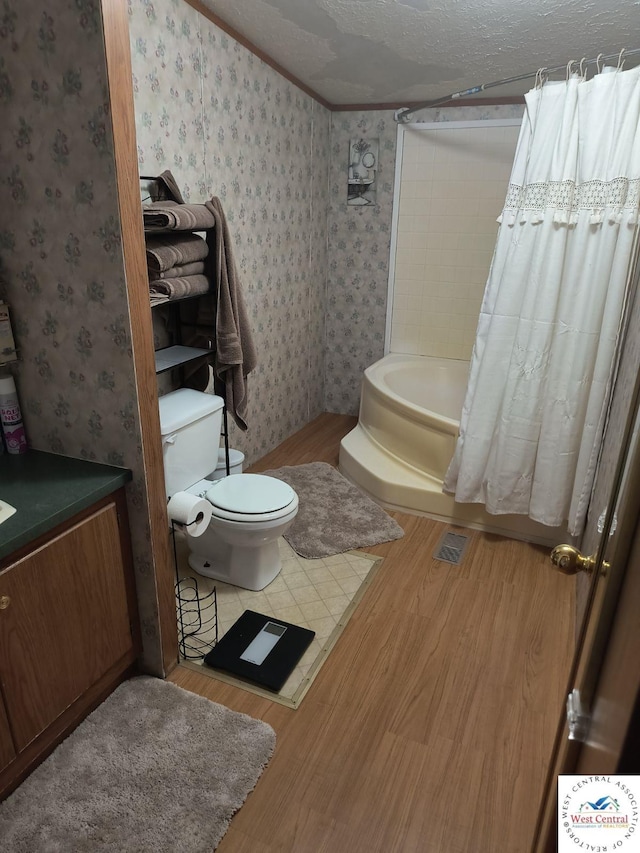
x,y
451,548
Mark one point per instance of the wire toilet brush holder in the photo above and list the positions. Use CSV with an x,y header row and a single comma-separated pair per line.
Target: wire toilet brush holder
x,y
197,613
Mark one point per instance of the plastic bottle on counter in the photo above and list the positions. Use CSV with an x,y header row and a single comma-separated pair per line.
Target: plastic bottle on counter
x,y
11,416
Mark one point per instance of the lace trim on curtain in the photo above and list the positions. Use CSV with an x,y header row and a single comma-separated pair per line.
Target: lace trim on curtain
x,y
566,199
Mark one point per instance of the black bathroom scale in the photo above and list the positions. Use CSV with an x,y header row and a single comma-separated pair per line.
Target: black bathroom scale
x,y
260,649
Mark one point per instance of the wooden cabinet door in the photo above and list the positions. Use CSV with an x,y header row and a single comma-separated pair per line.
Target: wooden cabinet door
x,y
67,622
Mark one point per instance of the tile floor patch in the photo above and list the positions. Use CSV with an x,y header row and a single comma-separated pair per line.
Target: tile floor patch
x,y
311,593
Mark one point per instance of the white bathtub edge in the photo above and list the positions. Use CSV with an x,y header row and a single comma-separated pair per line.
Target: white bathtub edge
x,y
397,486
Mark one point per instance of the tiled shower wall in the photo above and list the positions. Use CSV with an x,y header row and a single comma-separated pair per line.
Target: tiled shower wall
x,y
452,187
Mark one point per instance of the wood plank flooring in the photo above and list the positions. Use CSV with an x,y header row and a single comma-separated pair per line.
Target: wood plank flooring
x,y
430,726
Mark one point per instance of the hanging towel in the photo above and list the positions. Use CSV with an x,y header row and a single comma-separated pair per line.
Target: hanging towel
x,y
170,216
235,354
167,184
174,250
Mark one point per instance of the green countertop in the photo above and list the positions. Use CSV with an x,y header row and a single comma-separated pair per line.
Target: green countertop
x,y
47,489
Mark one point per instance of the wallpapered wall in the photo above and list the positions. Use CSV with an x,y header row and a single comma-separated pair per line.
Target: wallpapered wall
x,y
60,248
358,269
227,124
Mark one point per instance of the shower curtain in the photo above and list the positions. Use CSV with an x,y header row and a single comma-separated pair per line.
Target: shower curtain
x,y
543,362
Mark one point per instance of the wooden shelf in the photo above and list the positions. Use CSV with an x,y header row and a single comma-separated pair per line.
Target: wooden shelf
x,y
170,357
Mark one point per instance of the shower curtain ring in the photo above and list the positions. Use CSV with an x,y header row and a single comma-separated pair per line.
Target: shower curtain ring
x,y
599,64
583,67
620,59
570,65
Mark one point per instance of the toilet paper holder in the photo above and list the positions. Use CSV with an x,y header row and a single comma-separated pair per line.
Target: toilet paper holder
x,y
197,613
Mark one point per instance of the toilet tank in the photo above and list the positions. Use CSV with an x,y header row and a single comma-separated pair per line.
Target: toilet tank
x,y
190,423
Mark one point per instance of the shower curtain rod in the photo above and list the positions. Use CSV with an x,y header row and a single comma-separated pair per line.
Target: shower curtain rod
x,y
402,115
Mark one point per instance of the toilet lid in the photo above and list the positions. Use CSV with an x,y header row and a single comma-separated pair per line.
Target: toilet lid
x,y
250,494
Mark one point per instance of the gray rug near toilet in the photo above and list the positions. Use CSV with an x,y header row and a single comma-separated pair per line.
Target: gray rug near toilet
x,y
334,516
154,768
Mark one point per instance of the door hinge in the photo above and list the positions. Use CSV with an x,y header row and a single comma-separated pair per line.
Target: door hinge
x,y
577,718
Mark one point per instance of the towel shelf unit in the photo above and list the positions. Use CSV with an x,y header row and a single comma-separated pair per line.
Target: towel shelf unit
x,y
170,358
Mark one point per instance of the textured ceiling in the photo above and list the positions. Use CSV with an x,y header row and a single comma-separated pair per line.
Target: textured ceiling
x,y
395,51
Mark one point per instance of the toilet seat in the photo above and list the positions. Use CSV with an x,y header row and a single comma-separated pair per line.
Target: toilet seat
x,y
251,498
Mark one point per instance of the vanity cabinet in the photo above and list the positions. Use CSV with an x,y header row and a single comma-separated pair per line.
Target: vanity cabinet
x,y
68,631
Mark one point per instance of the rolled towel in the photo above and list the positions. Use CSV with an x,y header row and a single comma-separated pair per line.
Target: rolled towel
x,y
177,288
169,216
157,298
174,251
196,268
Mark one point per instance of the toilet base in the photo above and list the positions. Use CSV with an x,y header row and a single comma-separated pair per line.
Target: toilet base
x,y
248,568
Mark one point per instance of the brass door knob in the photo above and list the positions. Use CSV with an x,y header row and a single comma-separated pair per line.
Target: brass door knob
x,y
5,601
569,560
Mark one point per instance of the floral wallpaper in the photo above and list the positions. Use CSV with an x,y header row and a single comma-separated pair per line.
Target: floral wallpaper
x,y
227,124
358,269
60,254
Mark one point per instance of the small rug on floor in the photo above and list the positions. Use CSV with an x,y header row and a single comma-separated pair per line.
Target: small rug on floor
x,y
154,769
320,595
333,515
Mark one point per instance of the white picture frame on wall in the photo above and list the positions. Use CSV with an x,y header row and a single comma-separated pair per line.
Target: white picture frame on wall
x,y
362,172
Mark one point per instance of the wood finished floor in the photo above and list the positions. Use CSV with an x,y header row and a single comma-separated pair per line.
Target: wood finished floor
x,y
430,725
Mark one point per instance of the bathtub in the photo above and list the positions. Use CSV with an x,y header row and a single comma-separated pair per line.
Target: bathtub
x,y
405,438
411,407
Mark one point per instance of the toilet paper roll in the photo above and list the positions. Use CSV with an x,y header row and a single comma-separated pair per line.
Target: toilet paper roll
x,y
191,511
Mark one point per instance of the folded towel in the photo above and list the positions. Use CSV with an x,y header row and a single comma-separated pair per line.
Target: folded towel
x,y
176,288
157,298
169,216
174,251
196,268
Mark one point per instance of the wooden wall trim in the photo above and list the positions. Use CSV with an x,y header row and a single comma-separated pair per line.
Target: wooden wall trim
x,y
118,56
459,102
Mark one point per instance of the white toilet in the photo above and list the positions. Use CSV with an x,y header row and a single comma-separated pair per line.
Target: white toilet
x,y
250,511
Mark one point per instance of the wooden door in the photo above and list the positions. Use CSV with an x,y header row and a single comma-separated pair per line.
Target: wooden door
x,y
606,667
66,623
7,752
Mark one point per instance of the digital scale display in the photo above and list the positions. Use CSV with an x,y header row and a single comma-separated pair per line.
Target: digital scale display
x,y
263,643
259,649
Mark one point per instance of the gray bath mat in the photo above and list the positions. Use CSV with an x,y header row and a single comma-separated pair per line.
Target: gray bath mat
x,y
154,768
333,515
